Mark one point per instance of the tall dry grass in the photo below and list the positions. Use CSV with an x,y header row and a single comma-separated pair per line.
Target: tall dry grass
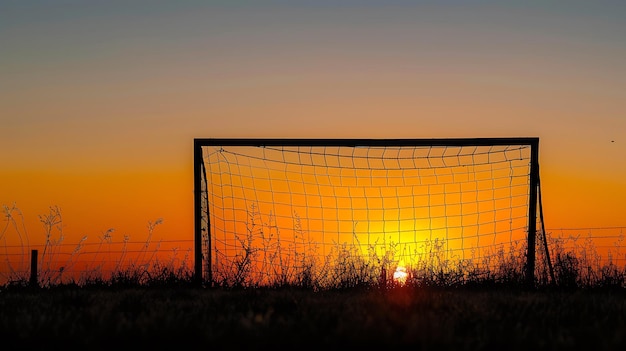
x,y
107,261
296,263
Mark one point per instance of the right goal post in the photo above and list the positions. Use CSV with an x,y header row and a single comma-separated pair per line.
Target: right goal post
x,y
270,211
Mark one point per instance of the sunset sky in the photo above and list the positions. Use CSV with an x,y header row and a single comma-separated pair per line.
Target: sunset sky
x,y
100,100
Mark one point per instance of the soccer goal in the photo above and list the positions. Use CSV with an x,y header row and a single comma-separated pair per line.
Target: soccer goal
x,y
328,211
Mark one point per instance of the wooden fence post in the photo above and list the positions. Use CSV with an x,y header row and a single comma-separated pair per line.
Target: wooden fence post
x,y
34,283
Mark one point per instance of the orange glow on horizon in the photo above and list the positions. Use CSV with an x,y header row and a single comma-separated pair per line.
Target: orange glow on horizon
x,y
100,106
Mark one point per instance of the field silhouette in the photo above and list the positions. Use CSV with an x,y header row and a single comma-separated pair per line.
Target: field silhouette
x,y
438,307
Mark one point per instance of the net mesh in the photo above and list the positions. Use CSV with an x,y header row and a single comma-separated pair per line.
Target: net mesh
x,y
292,212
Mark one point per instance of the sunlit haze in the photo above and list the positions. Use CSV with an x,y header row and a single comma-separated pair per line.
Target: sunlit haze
x,y
100,100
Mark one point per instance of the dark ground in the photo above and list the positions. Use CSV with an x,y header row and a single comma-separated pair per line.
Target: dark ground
x,y
218,319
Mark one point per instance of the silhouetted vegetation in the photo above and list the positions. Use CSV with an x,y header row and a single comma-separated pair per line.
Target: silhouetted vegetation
x,y
345,266
353,302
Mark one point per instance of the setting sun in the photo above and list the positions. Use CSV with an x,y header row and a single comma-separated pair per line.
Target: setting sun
x,y
400,275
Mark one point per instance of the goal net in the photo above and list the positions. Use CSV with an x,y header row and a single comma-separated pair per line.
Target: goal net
x,y
330,212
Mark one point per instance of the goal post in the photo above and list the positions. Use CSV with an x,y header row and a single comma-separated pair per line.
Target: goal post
x,y
268,210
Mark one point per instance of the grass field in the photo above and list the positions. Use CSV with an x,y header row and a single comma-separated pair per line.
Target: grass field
x,y
97,318
440,306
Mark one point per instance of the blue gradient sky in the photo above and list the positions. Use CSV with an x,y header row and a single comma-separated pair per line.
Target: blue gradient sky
x,y
100,100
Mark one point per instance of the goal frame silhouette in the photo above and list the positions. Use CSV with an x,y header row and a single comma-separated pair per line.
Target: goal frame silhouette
x,y
199,168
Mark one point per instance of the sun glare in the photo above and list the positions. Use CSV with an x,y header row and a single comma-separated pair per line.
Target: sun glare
x,y
400,275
